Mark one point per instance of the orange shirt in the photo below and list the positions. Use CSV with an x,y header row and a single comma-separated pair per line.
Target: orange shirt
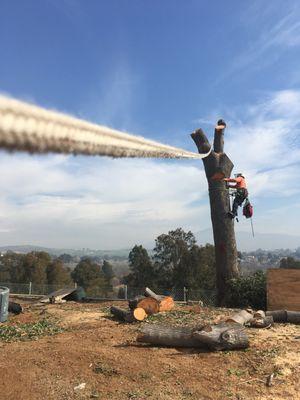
x,y
240,182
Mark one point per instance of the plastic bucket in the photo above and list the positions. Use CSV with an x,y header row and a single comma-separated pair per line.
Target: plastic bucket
x,y
4,296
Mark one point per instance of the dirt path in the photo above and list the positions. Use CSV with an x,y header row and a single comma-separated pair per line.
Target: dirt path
x,y
103,354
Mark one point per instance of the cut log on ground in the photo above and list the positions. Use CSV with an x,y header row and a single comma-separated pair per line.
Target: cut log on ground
x,y
133,303
293,317
261,322
223,336
278,315
150,293
149,304
138,314
259,314
213,337
14,308
168,336
242,317
166,304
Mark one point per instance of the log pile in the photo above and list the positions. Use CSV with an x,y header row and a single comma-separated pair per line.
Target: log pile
x,y
142,306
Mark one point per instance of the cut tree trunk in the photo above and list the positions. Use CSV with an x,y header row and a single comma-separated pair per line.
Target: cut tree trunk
x,y
133,303
217,166
14,308
242,317
283,316
213,337
259,314
293,317
149,304
261,322
223,336
138,314
168,336
150,293
166,304
278,315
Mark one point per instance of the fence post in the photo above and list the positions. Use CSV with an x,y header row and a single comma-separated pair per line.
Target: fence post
x,y
30,287
125,292
184,294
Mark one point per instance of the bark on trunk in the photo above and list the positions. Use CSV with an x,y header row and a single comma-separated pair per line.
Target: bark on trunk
x,y
213,337
217,166
168,336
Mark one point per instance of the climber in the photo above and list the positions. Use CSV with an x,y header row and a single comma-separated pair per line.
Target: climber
x,y
241,192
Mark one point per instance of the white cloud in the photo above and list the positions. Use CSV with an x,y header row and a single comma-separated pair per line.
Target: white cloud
x,y
65,201
265,144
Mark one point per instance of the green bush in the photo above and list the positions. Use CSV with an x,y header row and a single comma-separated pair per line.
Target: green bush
x,y
248,291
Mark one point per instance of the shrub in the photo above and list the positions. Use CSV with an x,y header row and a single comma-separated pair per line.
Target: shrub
x,y
248,291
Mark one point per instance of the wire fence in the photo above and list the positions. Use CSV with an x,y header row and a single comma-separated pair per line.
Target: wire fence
x,y
120,292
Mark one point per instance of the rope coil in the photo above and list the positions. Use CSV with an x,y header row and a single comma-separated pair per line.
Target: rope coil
x,y
26,127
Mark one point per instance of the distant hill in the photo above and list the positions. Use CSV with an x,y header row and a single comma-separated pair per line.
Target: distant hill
x,y
246,242
119,253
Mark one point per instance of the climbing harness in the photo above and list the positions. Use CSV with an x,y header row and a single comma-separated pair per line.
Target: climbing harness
x,y
26,127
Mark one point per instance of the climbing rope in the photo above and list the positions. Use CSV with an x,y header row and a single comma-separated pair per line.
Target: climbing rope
x,y
26,127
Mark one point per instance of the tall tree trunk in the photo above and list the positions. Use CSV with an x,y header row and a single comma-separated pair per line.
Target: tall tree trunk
x,y
218,166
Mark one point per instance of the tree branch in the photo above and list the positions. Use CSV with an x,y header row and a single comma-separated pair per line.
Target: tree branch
x,y
219,136
201,141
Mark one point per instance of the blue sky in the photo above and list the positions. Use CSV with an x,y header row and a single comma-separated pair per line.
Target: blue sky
x,y
158,69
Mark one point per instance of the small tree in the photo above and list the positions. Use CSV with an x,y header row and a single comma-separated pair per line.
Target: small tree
x,y
57,274
89,275
171,256
107,270
11,267
141,267
35,266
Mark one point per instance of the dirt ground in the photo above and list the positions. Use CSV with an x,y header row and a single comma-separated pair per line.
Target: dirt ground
x,y
103,355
